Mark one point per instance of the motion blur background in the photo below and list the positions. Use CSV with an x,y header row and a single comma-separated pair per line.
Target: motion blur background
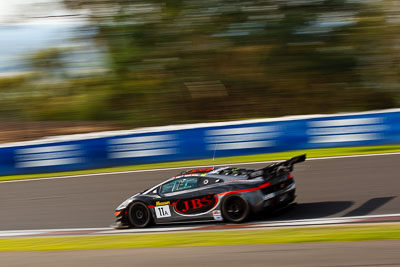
x,y
74,66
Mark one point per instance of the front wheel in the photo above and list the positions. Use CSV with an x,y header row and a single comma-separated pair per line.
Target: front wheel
x,y
235,209
139,215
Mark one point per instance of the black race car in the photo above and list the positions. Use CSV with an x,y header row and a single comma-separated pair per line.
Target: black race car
x,y
211,194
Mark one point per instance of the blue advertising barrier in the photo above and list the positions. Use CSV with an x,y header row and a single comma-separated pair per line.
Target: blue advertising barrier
x,y
197,141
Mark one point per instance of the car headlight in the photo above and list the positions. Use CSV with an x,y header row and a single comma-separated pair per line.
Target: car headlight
x,y
124,204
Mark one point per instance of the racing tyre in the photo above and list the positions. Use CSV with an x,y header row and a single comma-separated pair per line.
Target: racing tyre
x,y
139,215
235,209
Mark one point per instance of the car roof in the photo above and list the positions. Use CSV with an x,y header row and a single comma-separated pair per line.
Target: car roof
x,y
224,173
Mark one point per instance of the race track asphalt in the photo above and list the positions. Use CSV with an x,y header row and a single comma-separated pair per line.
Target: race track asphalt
x,y
345,254
325,188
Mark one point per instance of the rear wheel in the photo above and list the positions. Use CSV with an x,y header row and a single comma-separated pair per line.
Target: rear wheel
x,y
235,209
139,215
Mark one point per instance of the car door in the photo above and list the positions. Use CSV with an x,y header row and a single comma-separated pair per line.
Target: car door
x,y
183,199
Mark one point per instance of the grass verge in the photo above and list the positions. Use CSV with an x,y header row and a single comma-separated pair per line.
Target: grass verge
x,y
311,153
213,238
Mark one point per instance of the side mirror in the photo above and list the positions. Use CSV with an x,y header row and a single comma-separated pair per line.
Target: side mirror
x,y
157,191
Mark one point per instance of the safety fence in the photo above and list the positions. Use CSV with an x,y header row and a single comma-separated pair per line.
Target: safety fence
x,y
197,141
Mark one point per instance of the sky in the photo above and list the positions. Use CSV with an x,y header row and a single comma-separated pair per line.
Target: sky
x,y
11,10
28,11
8,8
21,34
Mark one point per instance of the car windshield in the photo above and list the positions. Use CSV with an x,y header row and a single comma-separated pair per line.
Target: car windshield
x,y
179,185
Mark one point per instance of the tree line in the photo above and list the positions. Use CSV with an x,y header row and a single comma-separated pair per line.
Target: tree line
x,y
184,61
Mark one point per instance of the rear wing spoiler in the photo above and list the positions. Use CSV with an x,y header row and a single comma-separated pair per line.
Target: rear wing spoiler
x,y
278,168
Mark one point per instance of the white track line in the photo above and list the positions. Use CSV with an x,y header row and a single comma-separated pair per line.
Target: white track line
x,y
323,221
108,231
12,233
188,167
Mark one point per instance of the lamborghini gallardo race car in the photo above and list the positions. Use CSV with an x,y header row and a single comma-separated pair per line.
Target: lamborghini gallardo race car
x,y
211,194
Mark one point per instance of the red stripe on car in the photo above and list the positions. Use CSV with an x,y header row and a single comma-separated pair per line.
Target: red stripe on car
x,y
245,190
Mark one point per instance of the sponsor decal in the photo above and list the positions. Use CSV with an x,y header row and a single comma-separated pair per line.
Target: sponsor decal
x,y
162,211
217,215
196,205
143,146
158,203
345,130
242,137
47,156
